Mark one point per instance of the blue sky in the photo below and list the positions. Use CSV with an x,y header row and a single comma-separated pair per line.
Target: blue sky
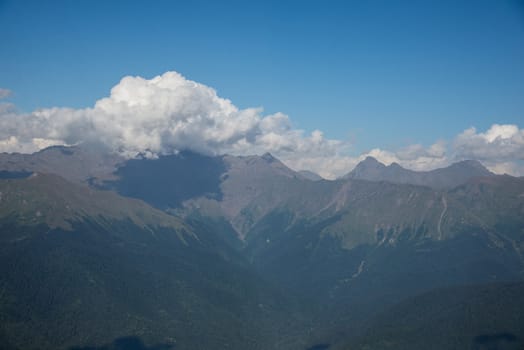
x,y
377,73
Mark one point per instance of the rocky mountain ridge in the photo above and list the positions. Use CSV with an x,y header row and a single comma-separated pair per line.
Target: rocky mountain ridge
x,y
454,175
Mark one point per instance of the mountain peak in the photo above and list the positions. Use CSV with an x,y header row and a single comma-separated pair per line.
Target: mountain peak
x,y
268,157
473,165
456,174
370,160
369,167
395,165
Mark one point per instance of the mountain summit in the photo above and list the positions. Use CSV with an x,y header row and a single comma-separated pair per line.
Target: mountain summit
x,y
454,175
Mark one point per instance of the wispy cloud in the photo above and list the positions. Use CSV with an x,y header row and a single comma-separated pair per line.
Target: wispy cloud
x,y
4,93
169,113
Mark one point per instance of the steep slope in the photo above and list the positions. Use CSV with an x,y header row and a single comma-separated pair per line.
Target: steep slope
x,y
381,213
240,190
456,174
383,242
254,186
79,164
310,175
80,267
49,199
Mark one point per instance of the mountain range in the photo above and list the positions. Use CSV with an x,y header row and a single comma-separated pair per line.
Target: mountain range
x,y
191,251
456,174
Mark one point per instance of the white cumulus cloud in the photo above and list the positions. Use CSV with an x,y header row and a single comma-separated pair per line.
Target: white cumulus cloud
x,y
169,113
500,148
500,142
166,114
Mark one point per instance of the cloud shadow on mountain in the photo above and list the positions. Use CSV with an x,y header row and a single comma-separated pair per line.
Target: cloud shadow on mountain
x,y
169,180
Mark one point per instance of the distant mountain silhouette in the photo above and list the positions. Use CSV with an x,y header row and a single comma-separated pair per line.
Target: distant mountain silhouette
x,y
456,174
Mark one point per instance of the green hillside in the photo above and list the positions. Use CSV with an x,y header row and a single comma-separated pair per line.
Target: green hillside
x,y
93,267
